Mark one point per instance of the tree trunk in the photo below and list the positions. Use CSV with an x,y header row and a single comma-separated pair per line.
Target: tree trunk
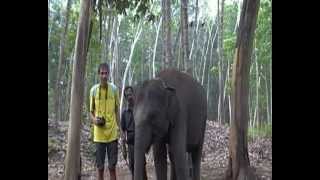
x,y
68,93
207,48
133,45
176,44
195,40
142,70
270,77
108,30
225,102
267,97
117,71
220,62
239,164
155,49
166,11
238,16
57,98
256,112
50,24
112,47
184,36
72,160
114,50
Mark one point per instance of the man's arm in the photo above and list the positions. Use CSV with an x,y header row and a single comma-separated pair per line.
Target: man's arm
x,y
93,117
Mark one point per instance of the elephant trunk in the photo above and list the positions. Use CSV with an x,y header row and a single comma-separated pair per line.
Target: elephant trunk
x,y
142,144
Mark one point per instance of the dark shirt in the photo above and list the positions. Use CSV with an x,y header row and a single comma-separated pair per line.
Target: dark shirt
x,y
127,125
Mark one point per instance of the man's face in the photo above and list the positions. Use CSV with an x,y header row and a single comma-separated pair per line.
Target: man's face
x,y
104,75
129,95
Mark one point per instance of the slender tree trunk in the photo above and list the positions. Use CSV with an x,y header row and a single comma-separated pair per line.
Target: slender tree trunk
x,y
131,76
270,72
251,99
155,49
61,64
239,164
176,44
267,97
195,39
257,111
150,63
220,62
108,28
114,50
264,76
238,16
180,64
230,108
142,63
166,11
68,94
205,56
138,33
50,23
103,54
225,93
72,160
184,36
112,47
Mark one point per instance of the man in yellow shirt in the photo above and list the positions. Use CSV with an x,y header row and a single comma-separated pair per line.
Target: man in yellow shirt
x,y
104,108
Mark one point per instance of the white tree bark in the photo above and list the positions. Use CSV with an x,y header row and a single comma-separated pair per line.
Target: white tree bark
x,y
267,95
138,33
256,112
132,74
113,45
205,56
226,85
155,49
238,16
270,70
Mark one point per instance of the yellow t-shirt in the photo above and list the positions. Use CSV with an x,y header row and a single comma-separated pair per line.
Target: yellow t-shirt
x,y
103,105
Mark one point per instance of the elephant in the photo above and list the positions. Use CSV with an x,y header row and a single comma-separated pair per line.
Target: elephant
x,y
170,110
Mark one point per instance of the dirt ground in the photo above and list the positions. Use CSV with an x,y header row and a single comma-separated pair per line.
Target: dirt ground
x,y
214,156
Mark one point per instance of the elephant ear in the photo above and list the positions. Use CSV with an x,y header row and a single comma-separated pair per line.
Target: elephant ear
x,y
173,105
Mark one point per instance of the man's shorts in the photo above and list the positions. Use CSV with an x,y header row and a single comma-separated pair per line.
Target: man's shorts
x,y
112,153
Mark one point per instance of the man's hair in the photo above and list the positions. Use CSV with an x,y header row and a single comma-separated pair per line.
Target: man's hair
x,y
126,89
103,65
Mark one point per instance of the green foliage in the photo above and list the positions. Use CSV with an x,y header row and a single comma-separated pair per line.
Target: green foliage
x,y
263,131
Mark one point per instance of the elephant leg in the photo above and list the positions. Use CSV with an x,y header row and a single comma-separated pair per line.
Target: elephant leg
x,y
172,167
196,163
180,161
160,160
190,165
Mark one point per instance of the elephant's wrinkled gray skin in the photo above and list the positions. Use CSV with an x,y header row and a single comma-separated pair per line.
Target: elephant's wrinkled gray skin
x,y
170,109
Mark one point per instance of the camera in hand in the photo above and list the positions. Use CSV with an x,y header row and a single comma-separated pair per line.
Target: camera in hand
x,y
101,121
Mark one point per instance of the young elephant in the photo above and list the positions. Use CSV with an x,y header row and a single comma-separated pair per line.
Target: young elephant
x,y
170,109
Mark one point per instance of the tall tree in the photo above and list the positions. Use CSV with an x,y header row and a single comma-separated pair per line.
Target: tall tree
x,y
220,61
155,49
61,65
184,36
194,41
133,45
166,11
72,161
239,164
